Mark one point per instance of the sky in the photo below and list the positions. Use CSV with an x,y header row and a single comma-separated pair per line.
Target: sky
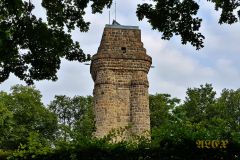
x,y
177,67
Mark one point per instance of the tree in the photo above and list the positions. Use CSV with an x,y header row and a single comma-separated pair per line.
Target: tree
x,y
209,117
24,114
6,123
179,17
229,107
85,123
75,116
197,104
174,138
160,108
202,116
33,56
228,113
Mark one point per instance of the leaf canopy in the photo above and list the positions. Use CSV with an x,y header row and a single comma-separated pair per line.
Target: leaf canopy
x,y
32,49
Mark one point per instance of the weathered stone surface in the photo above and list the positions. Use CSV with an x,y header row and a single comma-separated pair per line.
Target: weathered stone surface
x,y
119,70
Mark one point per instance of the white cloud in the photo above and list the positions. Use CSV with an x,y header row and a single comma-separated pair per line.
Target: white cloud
x,y
73,79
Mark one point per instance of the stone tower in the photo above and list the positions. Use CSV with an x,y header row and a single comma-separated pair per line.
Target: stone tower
x,y
119,70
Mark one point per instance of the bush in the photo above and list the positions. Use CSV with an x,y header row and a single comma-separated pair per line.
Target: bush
x,y
167,149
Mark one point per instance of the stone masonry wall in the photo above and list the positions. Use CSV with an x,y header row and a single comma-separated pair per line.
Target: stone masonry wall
x,y
119,70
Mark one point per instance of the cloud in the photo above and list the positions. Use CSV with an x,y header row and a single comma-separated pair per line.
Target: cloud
x,y
176,68
73,79
228,74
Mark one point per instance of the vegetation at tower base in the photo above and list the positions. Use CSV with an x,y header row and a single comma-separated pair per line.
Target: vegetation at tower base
x,y
32,56
175,138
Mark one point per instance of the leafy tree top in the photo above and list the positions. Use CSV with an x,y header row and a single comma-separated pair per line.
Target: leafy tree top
x,y
32,49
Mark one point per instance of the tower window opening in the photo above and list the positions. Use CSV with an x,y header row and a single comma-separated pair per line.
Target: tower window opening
x,y
124,49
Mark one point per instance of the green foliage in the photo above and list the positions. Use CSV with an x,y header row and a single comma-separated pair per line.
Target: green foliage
x,y
23,114
87,148
228,107
31,149
4,154
99,149
211,117
176,17
85,125
202,116
198,103
161,106
6,123
32,56
176,128
75,116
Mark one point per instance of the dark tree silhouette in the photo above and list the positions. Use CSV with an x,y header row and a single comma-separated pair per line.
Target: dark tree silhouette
x,y
32,49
